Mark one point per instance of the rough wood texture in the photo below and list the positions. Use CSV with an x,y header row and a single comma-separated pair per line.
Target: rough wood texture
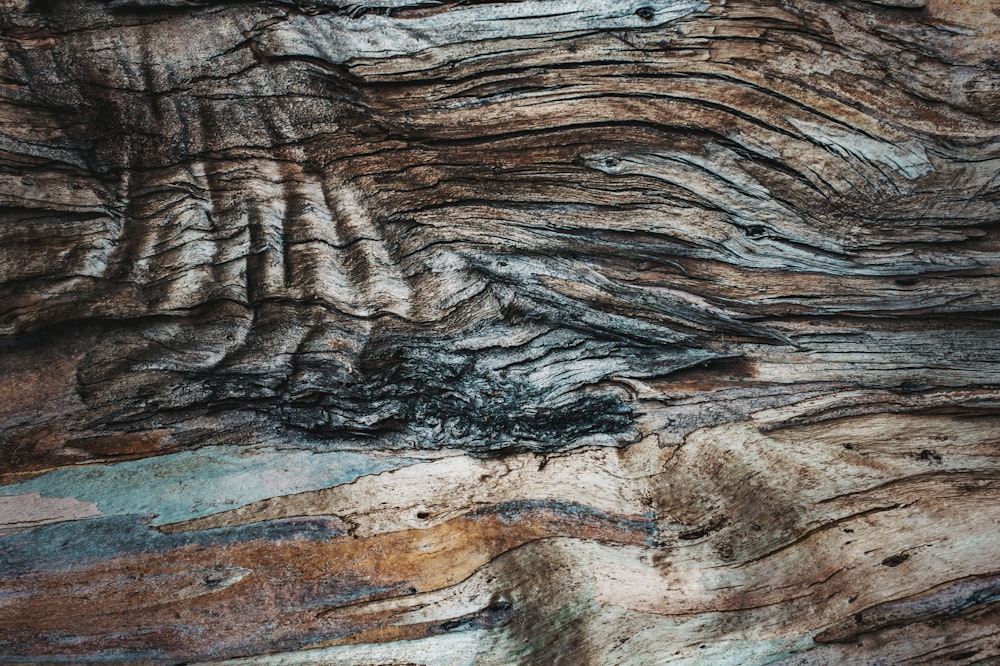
x,y
542,332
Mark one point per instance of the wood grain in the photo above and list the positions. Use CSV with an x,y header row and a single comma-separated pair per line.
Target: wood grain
x,y
534,332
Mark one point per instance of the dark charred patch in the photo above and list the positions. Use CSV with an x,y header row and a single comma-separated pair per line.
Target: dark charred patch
x,y
930,456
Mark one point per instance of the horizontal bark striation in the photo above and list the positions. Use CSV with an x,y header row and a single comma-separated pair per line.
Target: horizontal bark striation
x,y
742,245
458,228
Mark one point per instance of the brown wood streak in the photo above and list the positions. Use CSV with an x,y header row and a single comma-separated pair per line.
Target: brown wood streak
x,y
162,601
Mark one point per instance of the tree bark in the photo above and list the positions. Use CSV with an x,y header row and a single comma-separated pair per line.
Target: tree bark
x,y
535,332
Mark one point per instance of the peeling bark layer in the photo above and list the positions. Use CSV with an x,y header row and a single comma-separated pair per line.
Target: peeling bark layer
x,y
527,332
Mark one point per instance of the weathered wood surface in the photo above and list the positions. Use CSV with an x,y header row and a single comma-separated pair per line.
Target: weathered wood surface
x,y
540,332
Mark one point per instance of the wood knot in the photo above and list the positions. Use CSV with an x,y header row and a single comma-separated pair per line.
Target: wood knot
x,y
895,560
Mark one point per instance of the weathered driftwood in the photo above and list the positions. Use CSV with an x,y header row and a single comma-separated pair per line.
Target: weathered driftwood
x,y
539,332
